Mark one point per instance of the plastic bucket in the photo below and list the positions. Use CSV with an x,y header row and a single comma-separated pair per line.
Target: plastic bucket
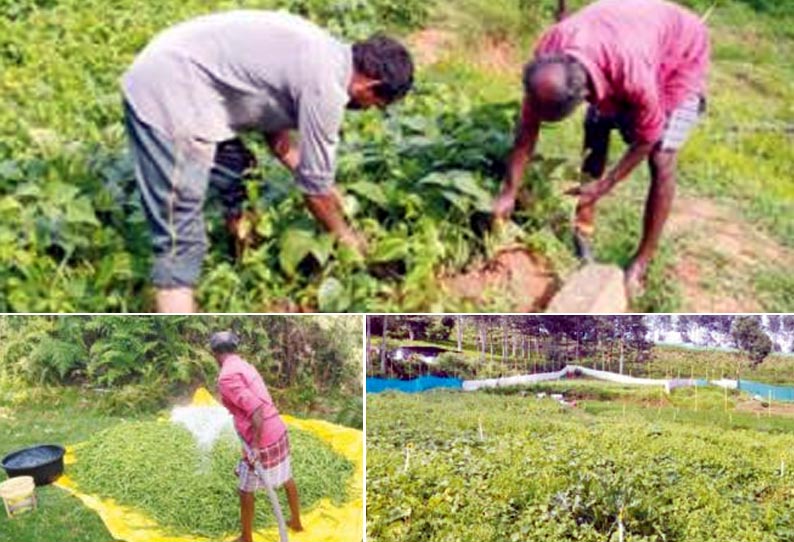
x,y
18,494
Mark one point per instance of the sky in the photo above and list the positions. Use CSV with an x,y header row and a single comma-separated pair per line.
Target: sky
x,y
700,337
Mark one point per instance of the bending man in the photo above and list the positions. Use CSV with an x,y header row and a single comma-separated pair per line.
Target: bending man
x,y
642,66
200,84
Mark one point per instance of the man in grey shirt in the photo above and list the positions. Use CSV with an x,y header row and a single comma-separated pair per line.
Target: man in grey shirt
x,y
198,85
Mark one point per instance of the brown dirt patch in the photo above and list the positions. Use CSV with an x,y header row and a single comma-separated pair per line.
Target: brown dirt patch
x,y
493,53
429,45
778,409
524,280
720,255
499,55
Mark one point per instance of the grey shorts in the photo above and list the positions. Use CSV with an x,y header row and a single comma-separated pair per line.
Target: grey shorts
x,y
173,179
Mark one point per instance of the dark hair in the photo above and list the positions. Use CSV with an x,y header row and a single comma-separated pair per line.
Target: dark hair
x,y
224,342
569,92
388,61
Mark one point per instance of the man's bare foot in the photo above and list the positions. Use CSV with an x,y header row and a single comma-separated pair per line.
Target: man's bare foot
x,y
635,279
583,247
295,525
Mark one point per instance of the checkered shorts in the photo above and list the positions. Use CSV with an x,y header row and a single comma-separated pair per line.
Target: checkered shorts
x,y
273,468
681,122
679,125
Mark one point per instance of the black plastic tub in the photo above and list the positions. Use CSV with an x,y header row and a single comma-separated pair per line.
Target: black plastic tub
x,y
44,463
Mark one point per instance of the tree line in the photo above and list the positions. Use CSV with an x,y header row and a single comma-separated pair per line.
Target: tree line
x,y
609,342
312,353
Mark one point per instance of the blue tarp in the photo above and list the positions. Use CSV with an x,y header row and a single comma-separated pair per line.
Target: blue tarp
x,y
423,383
778,393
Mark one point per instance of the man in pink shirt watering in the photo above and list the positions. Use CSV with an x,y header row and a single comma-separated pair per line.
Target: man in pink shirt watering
x,y
266,450
642,66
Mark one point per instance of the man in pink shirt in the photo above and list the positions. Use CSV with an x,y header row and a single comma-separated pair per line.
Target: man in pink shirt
x,y
266,450
642,67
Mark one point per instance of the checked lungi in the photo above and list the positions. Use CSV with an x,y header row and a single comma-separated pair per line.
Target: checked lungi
x,y
274,468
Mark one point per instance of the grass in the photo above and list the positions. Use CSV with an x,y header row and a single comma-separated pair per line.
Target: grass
x,y
63,419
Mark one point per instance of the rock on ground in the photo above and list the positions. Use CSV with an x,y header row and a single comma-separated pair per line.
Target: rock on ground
x,y
595,288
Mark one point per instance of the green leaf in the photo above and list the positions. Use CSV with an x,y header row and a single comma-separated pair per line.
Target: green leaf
x,y
390,249
80,211
332,296
296,244
369,191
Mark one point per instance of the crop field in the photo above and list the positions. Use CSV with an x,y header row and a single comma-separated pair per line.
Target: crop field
x,y
621,465
417,181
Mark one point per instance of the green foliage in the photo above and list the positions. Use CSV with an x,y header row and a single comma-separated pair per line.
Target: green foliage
x,y
670,361
158,468
494,468
361,18
352,413
306,361
750,337
73,234
455,364
58,513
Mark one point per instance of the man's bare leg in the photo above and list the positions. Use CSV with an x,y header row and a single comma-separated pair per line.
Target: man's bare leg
x,y
175,300
291,489
657,208
596,152
246,516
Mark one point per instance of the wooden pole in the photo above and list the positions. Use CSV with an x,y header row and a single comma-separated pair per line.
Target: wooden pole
x,y
725,394
769,407
692,377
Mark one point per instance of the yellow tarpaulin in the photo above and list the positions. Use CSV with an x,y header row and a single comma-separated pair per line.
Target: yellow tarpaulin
x,y
324,523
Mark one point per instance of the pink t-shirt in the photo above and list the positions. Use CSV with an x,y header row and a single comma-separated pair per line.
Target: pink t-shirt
x,y
242,392
643,56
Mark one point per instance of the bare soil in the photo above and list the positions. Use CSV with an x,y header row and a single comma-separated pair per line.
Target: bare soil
x,y
516,275
719,256
429,45
778,409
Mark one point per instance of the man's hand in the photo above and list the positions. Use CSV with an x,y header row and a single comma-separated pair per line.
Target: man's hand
x,y
527,130
504,204
327,209
591,192
355,241
241,226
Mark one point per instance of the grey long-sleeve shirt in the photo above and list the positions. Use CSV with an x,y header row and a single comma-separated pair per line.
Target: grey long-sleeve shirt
x,y
213,77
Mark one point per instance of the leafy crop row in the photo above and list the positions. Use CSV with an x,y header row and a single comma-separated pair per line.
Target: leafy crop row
x,y
443,466
72,233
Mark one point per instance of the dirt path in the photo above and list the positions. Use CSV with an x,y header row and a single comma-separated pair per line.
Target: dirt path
x,y
718,256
